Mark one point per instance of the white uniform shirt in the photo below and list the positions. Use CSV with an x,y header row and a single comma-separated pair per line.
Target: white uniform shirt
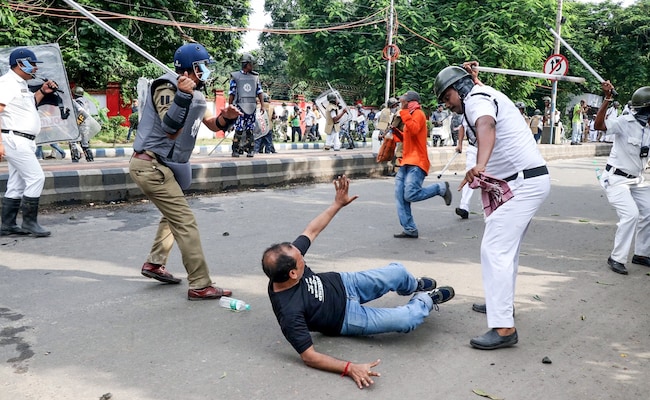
x,y
611,113
515,149
310,118
20,111
630,136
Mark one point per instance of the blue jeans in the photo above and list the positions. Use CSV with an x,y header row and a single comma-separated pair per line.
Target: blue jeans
x,y
408,189
365,286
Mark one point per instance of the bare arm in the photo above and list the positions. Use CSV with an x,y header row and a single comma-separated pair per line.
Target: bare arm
x,y
461,136
485,138
599,123
221,122
361,374
342,199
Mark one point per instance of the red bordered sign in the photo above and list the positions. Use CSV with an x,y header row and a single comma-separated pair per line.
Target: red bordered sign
x,y
556,64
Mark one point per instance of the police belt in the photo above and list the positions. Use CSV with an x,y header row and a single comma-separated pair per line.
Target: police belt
x,y
529,173
18,133
619,172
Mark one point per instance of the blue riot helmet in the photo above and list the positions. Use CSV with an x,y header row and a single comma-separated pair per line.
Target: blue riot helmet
x,y
26,58
191,56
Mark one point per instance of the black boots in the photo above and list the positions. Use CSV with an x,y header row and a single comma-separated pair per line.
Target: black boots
x,y
10,209
30,213
88,153
74,152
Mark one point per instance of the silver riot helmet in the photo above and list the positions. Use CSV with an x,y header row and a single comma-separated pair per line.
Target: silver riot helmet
x,y
193,56
392,102
641,104
331,98
455,77
248,58
78,91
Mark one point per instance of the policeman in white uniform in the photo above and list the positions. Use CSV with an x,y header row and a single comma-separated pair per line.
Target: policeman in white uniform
x,y
506,150
623,181
20,124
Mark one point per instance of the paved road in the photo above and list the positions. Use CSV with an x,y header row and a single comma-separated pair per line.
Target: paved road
x,y
78,321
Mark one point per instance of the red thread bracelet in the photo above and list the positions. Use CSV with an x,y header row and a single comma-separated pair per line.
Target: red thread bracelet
x,y
345,370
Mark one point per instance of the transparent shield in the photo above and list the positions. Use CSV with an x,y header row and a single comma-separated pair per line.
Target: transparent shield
x,y
58,115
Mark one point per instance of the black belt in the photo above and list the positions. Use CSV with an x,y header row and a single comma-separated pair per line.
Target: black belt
x,y
17,133
619,172
529,173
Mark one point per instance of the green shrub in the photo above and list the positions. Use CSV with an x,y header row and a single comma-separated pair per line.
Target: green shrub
x,y
113,131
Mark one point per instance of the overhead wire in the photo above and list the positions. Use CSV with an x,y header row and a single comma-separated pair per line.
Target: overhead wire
x,y
40,10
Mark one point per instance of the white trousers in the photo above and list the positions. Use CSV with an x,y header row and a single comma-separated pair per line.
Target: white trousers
x,y
26,176
631,199
470,162
332,140
504,231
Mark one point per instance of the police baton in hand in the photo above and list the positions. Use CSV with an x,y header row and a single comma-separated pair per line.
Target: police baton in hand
x,y
456,153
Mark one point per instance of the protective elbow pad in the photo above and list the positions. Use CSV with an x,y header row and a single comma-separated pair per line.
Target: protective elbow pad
x,y
175,117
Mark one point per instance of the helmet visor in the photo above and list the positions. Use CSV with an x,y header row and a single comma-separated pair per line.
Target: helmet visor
x,y
205,69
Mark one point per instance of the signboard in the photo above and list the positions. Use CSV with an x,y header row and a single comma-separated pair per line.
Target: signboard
x,y
556,64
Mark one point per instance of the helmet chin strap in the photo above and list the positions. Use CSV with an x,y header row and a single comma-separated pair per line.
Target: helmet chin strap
x,y
27,68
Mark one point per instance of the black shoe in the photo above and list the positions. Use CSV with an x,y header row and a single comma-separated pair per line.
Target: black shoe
x,y
463,214
404,235
249,154
492,340
480,307
235,154
442,294
616,266
641,260
425,284
447,195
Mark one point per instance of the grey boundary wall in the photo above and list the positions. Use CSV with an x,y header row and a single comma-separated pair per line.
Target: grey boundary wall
x,y
114,184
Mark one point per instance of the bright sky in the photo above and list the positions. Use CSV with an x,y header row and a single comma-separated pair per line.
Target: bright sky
x,y
257,20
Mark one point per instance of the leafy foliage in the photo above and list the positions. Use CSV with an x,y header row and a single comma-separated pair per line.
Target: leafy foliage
x,y
433,34
93,57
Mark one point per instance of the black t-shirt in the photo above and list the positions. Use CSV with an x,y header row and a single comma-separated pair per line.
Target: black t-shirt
x,y
316,303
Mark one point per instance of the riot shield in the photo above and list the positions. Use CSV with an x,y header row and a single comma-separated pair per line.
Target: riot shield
x,y
58,115
321,102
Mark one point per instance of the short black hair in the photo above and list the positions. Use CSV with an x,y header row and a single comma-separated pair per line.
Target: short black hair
x,y
278,271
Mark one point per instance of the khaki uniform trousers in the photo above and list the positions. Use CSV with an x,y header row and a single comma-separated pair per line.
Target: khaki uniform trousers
x,y
178,223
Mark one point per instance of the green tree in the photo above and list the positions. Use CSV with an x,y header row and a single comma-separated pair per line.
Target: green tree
x,y
435,33
615,42
93,57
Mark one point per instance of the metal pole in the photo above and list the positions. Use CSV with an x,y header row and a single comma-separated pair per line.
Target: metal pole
x,y
448,164
119,36
517,72
576,55
556,50
390,42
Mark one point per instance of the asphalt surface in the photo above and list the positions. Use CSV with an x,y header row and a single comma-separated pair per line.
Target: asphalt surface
x,y
78,321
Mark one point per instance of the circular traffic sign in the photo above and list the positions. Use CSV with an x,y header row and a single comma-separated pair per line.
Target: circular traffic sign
x,y
556,64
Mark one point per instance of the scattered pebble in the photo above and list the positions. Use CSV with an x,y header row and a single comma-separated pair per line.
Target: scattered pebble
x,y
546,360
